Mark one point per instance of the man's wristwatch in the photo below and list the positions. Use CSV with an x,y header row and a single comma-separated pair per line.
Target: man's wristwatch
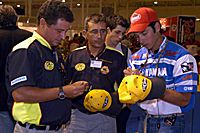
x,y
61,94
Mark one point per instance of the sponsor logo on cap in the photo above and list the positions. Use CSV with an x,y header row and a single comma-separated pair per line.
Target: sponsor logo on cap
x,y
135,17
144,84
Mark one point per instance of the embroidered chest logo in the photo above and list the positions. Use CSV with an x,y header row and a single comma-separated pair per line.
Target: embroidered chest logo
x,y
80,67
105,70
48,65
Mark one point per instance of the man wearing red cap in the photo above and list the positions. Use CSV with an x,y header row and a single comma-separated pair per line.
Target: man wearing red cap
x,y
160,57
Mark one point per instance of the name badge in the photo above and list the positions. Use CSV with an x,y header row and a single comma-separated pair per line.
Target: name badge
x,y
95,64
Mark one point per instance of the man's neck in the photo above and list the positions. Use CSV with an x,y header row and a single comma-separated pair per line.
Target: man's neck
x,y
110,44
156,47
95,51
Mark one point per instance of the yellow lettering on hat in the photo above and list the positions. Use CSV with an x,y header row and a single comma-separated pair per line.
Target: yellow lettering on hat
x,y
80,67
48,65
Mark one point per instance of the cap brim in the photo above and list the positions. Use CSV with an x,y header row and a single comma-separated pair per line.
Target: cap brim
x,y
138,27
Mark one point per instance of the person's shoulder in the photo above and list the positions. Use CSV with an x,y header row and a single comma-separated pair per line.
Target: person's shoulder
x,y
79,49
114,51
175,49
140,54
23,33
24,44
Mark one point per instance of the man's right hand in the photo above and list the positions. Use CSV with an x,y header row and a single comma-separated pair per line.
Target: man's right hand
x,y
128,71
75,89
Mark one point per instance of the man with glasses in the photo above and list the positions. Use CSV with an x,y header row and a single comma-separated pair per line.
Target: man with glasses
x,y
160,57
102,67
38,94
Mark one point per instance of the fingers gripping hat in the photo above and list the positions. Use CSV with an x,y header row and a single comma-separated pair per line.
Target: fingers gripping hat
x,y
97,100
134,88
141,18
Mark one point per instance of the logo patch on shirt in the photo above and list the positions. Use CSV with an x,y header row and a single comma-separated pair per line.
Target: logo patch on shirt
x,y
80,67
48,65
18,80
187,66
105,70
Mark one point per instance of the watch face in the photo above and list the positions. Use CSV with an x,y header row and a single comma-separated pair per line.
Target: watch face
x,y
61,95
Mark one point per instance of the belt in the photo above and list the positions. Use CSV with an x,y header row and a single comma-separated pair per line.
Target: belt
x,y
46,127
164,116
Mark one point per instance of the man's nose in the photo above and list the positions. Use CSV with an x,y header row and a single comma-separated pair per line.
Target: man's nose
x,y
62,34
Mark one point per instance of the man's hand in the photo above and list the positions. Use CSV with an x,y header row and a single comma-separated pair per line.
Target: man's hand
x,y
128,71
75,89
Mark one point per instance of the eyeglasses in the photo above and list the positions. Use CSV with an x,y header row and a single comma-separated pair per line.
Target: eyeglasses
x,y
96,31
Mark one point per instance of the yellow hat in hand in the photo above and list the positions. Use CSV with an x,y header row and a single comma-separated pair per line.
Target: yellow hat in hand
x,y
97,100
134,88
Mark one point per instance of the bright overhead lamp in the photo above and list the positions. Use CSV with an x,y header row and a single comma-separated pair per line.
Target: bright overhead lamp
x,y
155,2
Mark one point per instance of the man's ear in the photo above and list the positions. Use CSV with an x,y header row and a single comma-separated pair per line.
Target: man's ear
x,y
84,33
157,27
108,30
43,22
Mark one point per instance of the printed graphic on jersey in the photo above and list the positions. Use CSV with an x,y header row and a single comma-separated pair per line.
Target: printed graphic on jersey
x,y
187,66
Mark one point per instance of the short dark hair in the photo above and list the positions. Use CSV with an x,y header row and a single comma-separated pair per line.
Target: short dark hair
x,y
94,18
8,16
114,20
52,10
152,25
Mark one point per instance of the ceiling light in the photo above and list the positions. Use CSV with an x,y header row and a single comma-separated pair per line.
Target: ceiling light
x,y
155,2
78,4
1,3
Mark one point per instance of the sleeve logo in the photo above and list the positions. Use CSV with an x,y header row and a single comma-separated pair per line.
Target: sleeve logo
x,y
187,66
18,80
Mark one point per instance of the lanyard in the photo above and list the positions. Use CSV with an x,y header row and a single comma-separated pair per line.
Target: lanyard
x,y
144,65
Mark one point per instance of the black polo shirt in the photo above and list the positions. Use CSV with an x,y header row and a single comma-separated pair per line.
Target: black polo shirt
x,y
105,76
33,63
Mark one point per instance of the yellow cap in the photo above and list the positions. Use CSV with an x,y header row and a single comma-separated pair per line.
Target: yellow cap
x,y
97,100
134,88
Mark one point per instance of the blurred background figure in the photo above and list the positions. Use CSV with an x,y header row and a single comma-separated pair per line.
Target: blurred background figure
x,y
10,35
63,47
81,39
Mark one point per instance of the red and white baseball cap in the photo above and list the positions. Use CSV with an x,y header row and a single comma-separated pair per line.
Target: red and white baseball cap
x,y
141,18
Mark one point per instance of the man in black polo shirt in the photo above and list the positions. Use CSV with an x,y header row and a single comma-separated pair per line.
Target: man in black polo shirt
x,y
102,67
38,93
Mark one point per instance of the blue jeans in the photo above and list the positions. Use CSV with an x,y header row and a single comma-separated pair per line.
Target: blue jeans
x,y
6,123
152,125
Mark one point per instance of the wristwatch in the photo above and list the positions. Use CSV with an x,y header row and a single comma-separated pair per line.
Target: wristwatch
x,y
61,94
